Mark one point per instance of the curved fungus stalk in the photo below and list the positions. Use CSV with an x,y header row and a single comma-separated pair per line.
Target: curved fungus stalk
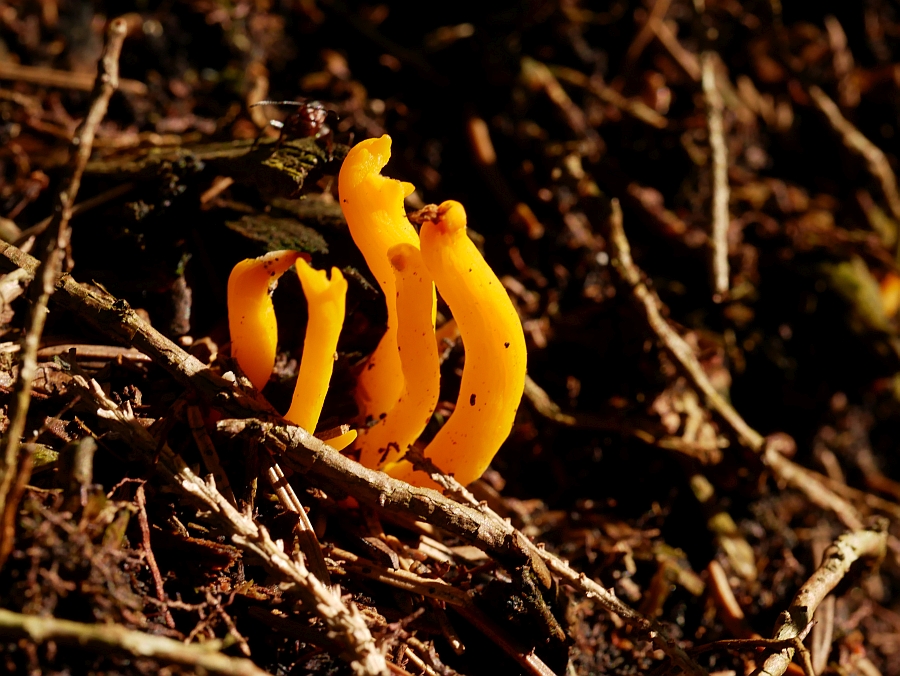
x,y
254,331
326,302
387,440
373,207
251,315
493,377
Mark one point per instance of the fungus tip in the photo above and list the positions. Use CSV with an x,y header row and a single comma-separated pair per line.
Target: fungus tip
x,y
451,217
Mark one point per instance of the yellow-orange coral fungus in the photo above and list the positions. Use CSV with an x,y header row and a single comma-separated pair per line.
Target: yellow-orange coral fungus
x,y
251,316
340,442
254,330
389,438
494,373
326,300
373,207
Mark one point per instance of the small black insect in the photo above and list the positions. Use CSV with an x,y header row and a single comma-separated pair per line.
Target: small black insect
x,y
311,119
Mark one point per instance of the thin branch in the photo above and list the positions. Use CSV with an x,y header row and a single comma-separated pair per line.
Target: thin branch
x,y
141,500
103,638
870,543
554,564
674,343
816,490
683,57
52,251
721,192
64,79
208,452
345,623
434,588
594,84
527,659
784,469
304,531
544,405
333,472
853,138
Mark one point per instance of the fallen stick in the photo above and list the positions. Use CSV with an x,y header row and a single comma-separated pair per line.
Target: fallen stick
x,y
848,548
52,249
785,470
104,638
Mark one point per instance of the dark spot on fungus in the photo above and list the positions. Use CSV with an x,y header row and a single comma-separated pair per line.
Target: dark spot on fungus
x,y
472,400
505,344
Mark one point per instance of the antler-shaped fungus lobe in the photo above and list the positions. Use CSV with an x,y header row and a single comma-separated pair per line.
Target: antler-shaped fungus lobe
x,y
254,330
387,440
494,373
373,207
325,299
251,315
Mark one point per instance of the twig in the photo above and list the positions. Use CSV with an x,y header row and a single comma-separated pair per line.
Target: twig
x,y
795,642
537,75
869,543
728,609
333,472
646,33
345,623
49,77
853,138
816,490
720,217
91,352
594,84
544,405
674,343
684,58
871,502
579,581
306,535
226,618
208,452
77,209
402,579
783,468
527,659
141,501
52,251
112,637
8,517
